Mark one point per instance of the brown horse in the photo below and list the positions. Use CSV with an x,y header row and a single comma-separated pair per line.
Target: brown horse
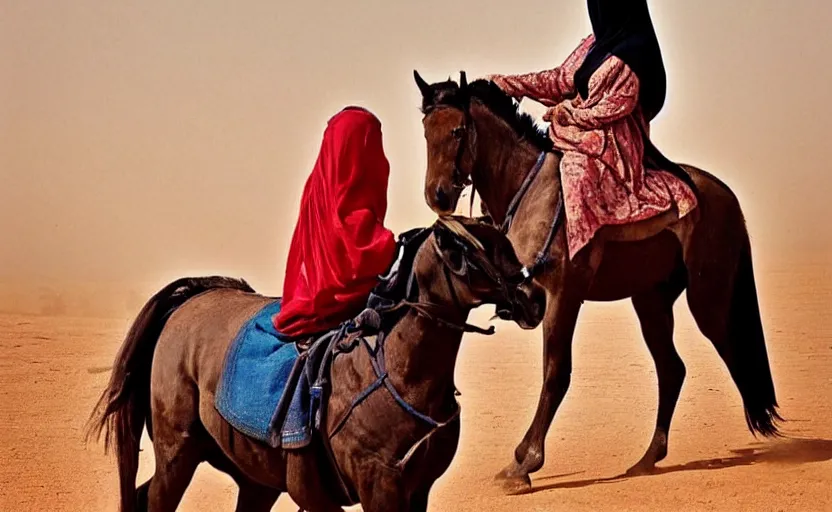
x,y
382,445
475,133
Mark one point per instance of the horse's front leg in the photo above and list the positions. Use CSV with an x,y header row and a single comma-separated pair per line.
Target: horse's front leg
x,y
383,489
558,328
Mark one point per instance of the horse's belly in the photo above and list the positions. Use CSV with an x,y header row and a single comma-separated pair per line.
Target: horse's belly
x,y
629,268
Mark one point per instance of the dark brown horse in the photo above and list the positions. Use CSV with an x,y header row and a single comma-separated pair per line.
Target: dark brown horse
x,y
475,133
385,449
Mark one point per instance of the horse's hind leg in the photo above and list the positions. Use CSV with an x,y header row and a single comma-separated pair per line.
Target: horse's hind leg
x,y
176,462
179,446
722,296
655,314
141,496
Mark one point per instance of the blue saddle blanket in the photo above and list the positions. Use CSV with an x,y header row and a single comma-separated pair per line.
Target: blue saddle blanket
x,y
262,371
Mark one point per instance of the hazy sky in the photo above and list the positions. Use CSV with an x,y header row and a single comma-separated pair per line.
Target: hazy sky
x,y
145,140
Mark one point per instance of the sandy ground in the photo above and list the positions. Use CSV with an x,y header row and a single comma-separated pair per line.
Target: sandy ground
x,y
52,370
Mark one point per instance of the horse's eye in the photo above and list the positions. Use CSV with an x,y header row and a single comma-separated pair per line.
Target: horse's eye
x,y
457,132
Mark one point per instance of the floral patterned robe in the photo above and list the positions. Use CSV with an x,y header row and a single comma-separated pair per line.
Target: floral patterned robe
x,y
604,179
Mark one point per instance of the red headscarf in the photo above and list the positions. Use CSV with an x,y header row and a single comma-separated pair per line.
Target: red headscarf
x,y
340,245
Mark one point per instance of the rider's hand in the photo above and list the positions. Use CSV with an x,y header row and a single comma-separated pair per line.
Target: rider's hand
x,y
498,81
558,114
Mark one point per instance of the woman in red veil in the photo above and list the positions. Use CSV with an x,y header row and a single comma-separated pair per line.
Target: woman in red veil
x,y
340,245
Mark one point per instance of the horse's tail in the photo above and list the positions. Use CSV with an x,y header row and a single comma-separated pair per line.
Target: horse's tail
x,y
747,359
124,406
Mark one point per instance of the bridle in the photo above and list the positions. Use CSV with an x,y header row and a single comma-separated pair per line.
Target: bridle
x,y
466,135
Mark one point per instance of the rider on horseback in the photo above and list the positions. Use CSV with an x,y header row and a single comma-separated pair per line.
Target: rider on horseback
x,y
601,100
340,245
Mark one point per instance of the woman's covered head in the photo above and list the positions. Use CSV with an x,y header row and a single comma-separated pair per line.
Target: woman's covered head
x,y
611,18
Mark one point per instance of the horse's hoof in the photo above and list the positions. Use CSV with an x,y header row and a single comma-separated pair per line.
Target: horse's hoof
x,y
511,471
656,453
517,485
641,469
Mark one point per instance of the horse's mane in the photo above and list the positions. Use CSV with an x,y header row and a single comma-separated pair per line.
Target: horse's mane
x,y
449,94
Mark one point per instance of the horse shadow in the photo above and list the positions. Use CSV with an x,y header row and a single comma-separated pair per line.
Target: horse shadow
x,y
782,451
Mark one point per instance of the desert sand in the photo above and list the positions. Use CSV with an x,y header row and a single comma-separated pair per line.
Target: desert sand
x,y
53,369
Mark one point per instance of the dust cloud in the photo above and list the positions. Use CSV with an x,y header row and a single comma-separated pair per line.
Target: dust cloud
x,y
142,142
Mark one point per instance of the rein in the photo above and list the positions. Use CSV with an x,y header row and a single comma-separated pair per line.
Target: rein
x,y
543,258
521,193
383,380
424,310
460,182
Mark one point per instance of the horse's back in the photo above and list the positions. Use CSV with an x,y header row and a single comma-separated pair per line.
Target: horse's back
x,y
188,360
707,184
197,335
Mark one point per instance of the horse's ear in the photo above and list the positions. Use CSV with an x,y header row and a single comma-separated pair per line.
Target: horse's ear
x,y
424,87
463,80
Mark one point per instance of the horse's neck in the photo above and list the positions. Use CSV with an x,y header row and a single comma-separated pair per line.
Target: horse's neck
x,y
501,169
420,356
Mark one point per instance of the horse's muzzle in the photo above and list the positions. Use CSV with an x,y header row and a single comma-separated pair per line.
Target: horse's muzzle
x,y
442,198
527,308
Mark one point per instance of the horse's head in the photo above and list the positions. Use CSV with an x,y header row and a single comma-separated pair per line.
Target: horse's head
x,y
468,129
466,263
450,137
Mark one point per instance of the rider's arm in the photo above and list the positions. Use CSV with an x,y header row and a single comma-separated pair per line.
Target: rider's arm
x,y
548,87
614,94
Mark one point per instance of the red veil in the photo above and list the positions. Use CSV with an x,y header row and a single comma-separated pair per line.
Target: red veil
x,y
340,245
